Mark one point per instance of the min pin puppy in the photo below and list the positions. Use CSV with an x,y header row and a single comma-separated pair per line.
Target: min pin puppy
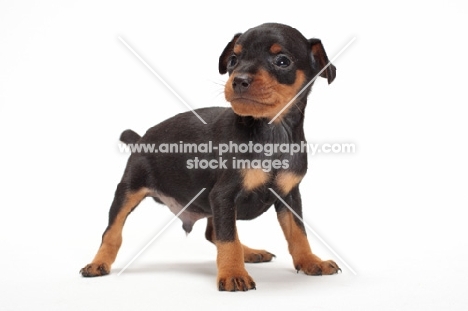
x,y
268,67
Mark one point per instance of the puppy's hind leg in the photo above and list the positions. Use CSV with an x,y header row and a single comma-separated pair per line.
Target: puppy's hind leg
x,y
250,255
125,201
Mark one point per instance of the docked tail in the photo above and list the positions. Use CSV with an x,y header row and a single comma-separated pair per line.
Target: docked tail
x,y
129,137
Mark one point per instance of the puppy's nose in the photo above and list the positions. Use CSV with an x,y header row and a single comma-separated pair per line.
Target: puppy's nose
x,y
241,83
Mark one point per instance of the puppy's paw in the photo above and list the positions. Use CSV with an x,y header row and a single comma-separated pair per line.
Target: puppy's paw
x,y
236,282
257,255
320,267
95,269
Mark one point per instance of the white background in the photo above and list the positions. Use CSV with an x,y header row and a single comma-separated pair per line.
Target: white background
x,y
394,211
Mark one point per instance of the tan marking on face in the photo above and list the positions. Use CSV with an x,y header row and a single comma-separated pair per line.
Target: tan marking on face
x,y
275,48
237,49
265,97
254,178
286,181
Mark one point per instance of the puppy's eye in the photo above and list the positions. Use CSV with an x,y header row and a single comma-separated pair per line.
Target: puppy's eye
x,y
232,61
282,61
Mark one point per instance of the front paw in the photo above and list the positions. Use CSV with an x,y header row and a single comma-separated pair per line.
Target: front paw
x,y
317,267
236,282
95,269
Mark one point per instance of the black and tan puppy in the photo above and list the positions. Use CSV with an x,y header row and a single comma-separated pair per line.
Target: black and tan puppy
x,y
268,66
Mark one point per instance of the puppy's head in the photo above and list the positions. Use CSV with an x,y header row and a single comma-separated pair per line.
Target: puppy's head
x,y
268,66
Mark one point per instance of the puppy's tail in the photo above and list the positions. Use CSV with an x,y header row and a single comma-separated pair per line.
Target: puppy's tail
x,y
129,137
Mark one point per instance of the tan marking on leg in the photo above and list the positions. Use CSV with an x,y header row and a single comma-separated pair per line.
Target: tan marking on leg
x,y
254,178
299,248
232,275
112,238
297,240
286,181
252,255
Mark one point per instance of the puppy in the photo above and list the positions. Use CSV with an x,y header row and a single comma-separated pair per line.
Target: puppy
x,y
270,67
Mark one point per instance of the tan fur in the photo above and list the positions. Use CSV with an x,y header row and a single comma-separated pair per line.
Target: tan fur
x,y
250,254
256,255
275,48
232,275
237,49
254,178
287,180
299,248
265,97
112,239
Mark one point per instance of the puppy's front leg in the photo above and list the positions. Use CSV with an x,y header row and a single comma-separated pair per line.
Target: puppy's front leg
x,y
232,275
295,234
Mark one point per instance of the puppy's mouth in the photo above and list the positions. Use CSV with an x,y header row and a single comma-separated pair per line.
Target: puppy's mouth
x,y
261,96
239,100
256,108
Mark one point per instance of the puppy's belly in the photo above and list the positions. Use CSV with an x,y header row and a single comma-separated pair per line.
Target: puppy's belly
x,y
188,217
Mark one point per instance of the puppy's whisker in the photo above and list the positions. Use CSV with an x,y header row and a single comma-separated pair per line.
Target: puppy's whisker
x,y
218,82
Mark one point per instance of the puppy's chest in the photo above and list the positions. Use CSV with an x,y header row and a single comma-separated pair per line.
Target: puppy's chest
x,y
260,189
280,165
282,181
271,149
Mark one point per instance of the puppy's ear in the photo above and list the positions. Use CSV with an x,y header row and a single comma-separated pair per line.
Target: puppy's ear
x,y
321,60
228,50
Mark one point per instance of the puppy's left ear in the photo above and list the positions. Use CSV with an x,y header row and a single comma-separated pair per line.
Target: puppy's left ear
x,y
321,60
228,50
